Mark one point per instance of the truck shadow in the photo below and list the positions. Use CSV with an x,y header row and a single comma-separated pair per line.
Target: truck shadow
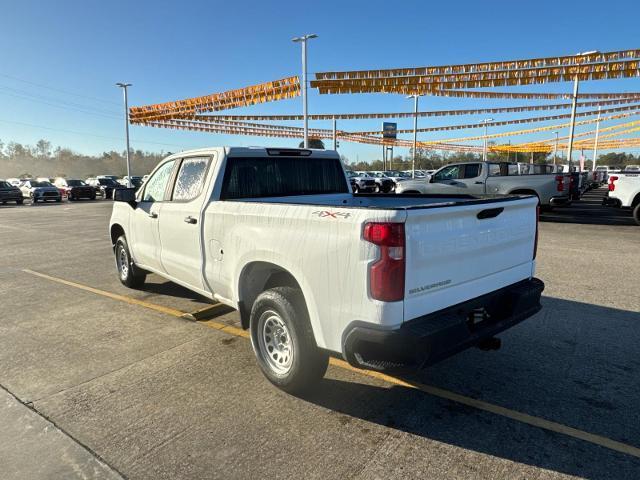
x,y
575,364
589,211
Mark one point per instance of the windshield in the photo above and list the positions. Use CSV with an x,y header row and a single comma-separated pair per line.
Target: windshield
x,y
107,181
75,183
40,184
351,174
4,185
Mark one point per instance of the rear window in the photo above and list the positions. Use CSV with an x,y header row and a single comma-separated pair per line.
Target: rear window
x,y
255,177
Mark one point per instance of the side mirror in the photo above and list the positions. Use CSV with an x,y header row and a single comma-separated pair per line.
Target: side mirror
x,y
125,195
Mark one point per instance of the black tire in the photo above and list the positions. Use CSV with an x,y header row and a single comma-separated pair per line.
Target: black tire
x,y
19,202
307,364
34,200
636,213
93,197
59,199
129,275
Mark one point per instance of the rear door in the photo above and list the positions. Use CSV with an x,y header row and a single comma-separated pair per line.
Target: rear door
x,y
180,223
464,178
460,252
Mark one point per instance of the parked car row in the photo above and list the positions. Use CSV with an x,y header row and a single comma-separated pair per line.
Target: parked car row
x,y
43,189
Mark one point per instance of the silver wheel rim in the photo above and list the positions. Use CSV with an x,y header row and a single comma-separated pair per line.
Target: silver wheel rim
x,y
276,347
122,261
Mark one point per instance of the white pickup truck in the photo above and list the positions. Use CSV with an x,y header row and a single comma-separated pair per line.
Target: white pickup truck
x,y
624,191
391,283
492,178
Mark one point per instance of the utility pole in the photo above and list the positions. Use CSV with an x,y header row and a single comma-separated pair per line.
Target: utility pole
x,y
303,39
126,126
595,145
555,150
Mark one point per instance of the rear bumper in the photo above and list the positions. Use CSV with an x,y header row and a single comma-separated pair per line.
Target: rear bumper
x,y
426,340
608,201
560,200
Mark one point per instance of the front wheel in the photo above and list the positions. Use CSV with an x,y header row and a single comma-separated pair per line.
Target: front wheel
x,y
283,340
129,275
636,213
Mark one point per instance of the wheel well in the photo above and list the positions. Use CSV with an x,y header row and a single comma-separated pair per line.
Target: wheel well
x,y
635,201
257,277
116,232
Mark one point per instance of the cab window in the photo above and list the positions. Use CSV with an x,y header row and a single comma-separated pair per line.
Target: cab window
x,y
451,172
471,170
157,184
190,179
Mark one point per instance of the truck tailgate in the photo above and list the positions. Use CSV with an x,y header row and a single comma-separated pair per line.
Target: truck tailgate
x,y
459,252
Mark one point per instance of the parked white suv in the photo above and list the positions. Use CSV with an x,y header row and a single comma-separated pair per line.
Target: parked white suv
x,y
389,282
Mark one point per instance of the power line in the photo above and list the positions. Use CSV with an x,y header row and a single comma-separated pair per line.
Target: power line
x,y
61,101
24,97
92,134
88,97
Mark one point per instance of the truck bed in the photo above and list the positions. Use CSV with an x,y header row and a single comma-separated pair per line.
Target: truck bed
x,y
385,202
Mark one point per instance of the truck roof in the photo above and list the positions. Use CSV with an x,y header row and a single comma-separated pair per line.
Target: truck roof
x,y
257,151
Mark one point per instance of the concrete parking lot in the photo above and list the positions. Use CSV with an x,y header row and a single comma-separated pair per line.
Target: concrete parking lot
x,y
98,381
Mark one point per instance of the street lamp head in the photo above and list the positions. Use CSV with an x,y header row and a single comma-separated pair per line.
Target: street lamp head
x,y
304,38
123,85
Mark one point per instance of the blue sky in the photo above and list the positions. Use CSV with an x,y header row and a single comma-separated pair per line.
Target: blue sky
x,y
173,50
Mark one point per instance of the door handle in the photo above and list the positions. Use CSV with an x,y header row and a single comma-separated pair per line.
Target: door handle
x,y
190,220
479,183
153,215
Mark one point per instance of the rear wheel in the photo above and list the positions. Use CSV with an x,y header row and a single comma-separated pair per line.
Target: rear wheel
x,y
636,213
19,202
283,340
129,275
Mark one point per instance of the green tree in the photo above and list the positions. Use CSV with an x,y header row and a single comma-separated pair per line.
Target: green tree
x,y
313,143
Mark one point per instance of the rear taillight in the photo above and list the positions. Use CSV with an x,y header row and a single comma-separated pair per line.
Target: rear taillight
x,y
560,183
535,242
612,183
386,274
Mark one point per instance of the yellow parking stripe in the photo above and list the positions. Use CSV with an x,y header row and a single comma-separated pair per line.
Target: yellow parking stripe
x,y
115,296
428,389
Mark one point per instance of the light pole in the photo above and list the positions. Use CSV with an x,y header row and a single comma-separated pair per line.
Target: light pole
x,y
574,101
595,145
126,126
555,149
303,39
335,134
415,97
484,148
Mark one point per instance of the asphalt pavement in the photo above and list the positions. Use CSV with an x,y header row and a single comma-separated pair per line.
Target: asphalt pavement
x,y
99,381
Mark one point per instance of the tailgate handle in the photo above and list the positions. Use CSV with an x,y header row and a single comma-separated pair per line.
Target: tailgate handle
x,y
489,213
